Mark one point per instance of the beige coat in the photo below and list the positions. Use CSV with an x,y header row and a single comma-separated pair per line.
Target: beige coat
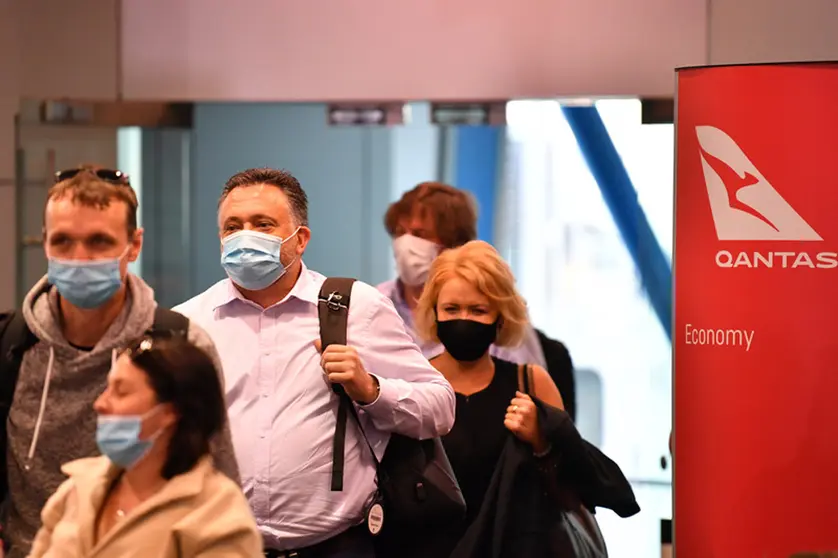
x,y
200,514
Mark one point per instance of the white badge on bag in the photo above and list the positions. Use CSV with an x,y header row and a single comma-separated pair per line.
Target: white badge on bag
x,y
375,518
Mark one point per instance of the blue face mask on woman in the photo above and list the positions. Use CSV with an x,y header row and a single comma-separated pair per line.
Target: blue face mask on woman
x,y
253,260
86,284
118,438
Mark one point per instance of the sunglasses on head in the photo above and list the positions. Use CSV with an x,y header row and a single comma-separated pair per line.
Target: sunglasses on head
x,y
108,175
150,338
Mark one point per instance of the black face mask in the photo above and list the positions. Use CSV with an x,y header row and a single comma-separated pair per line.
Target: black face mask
x,y
466,340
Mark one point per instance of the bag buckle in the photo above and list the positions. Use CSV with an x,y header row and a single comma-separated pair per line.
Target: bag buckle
x,y
333,301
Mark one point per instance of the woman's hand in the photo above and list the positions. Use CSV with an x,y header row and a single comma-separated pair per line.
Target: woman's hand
x,y
522,420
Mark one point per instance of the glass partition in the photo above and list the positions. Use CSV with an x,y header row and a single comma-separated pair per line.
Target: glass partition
x,y
583,289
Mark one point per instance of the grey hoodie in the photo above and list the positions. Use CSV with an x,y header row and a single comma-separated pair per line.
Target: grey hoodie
x,y
52,421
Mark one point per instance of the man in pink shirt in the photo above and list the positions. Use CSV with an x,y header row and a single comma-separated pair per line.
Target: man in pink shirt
x,y
264,321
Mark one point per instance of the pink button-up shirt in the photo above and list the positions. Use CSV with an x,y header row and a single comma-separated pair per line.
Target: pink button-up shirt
x,y
282,410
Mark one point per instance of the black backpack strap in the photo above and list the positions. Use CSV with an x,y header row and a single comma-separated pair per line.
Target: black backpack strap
x,y
169,320
15,339
333,311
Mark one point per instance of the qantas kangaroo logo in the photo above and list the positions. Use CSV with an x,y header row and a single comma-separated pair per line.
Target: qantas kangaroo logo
x,y
744,204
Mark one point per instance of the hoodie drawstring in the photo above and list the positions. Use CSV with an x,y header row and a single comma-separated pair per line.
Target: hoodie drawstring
x,y
43,407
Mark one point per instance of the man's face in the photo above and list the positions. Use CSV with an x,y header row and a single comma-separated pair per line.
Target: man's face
x,y
78,232
419,223
262,208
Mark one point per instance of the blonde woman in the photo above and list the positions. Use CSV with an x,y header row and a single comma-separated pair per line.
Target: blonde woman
x,y
469,303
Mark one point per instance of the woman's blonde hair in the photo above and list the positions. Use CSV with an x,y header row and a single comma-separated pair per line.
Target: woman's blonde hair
x,y
479,264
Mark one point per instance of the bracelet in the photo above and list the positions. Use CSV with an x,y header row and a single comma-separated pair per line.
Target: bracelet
x,y
540,454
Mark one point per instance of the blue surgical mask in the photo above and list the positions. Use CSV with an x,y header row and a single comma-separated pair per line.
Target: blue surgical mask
x,y
253,260
118,438
86,283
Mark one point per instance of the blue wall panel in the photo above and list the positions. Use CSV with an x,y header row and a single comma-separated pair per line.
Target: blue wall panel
x,y
476,168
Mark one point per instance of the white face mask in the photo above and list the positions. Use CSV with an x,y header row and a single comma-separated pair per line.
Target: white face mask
x,y
414,257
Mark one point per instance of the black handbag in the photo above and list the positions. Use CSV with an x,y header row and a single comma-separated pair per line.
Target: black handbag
x,y
573,531
417,489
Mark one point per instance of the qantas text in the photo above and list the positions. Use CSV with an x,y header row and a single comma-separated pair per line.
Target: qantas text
x,y
782,260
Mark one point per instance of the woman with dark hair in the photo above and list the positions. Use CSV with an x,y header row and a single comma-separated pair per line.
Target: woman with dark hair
x,y
154,492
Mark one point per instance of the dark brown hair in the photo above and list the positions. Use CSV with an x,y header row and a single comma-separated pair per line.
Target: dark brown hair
x,y
184,376
397,211
89,190
282,179
452,211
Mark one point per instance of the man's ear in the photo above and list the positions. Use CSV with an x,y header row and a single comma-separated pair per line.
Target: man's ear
x,y
303,236
136,245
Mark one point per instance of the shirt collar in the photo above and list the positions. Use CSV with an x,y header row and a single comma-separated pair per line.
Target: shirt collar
x,y
400,302
305,289
396,294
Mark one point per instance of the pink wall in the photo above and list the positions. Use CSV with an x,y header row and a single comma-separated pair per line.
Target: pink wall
x,y
69,48
406,49
772,30
383,49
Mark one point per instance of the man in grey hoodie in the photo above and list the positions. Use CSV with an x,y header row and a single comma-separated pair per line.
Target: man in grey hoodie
x,y
82,313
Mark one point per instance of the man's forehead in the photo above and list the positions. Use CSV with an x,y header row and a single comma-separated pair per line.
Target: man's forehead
x,y
256,191
65,212
264,198
67,205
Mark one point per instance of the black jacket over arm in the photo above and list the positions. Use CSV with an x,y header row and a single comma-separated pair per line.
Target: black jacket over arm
x,y
514,508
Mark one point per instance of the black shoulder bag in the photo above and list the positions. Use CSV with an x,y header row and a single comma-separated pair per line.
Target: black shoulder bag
x,y
575,532
417,489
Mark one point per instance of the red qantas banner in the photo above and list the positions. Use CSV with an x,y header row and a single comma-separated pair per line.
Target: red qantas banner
x,y
756,311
